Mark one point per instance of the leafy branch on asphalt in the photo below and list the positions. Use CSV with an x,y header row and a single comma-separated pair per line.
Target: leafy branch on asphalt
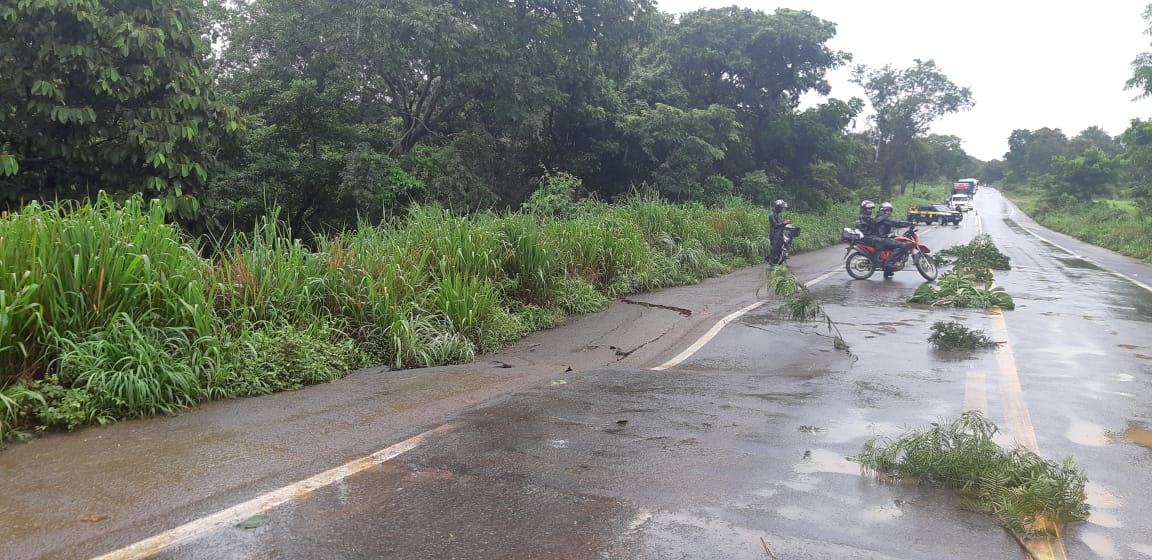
x,y
953,335
799,303
1028,494
962,290
978,258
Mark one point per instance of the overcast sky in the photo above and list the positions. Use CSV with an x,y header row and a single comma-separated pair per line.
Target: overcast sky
x,y
1029,64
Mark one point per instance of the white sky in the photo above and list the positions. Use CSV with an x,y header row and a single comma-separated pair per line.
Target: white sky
x,y
1029,64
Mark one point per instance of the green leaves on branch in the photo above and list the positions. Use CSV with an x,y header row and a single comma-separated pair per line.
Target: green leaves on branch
x,y
1027,493
962,290
953,335
978,258
106,93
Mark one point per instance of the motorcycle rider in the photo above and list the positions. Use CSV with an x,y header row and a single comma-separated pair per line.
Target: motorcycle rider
x,y
777,234
864,221
882,228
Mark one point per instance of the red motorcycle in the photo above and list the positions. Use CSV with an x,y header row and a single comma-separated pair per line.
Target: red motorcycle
x,y
862,260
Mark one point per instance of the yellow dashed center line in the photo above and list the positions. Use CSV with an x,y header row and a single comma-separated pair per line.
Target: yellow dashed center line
x,y
1017,418
1019,425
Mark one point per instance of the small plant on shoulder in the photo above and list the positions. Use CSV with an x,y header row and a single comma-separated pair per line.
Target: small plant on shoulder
x,y
978,258
961,290
953,335
1028,494
799,304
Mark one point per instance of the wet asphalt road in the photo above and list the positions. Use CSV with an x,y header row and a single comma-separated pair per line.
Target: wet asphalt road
x,y
569,445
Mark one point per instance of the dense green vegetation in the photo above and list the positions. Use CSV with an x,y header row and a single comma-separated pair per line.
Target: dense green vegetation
x,y
189,185
334,115
107,311
1028,494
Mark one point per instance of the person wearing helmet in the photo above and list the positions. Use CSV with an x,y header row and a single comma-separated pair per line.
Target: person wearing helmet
x,y
882,227
777,222
864,221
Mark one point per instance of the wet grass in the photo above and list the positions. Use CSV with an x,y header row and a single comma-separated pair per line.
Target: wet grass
x,y
1113,224
1028,494
108,312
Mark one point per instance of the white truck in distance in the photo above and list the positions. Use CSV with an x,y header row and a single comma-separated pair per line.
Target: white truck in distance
x,y
961,202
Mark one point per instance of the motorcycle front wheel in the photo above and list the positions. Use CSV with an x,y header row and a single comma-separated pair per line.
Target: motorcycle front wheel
x,y
859,266
926,265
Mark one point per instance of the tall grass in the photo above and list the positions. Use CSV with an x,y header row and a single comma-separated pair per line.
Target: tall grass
x,y
106,312
68,269
1109,224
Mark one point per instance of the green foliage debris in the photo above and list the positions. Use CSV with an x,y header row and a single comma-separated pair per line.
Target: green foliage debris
x,y
962,290
953,335
978,258
1028,494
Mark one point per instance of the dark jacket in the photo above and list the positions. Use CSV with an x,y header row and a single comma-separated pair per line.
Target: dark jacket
x,y
883,224
864,224
777,223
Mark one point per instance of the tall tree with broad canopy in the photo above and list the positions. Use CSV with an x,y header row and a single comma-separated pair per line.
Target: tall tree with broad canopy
x,y
108,95
756,63
458,100
905,103
1030,153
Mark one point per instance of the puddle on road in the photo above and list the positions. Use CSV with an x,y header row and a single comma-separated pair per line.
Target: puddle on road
x,y
884,513
1088,433
1106,519
1136,433
824,461
1100,544
1145,549
1100,497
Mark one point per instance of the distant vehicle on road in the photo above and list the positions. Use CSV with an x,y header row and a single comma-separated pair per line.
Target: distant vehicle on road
x,y
933,213
961,202
965,186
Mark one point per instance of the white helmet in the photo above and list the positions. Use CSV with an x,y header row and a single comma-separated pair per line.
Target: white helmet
x,y
886,206
779,205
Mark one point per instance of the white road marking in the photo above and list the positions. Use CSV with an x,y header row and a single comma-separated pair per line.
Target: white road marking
x,y
1121,275
715,330
240,512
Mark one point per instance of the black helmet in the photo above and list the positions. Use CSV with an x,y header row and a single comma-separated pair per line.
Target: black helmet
x,y
886,207
868,205
779,205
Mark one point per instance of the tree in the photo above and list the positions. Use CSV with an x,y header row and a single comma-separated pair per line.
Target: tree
x,y
935,156
1142,66
682,147
1030,153
1086,176
1138,155
1095,136
906,102
107,95
755,63
461,100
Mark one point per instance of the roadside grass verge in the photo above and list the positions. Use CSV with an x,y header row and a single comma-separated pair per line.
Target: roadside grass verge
x,y
108,312
1113,224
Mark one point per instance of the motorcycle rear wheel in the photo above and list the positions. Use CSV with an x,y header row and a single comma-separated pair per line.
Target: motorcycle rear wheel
x,y
926,265
859,266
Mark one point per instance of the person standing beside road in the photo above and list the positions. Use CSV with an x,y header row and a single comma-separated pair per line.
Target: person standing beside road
x,y
882,228
776,235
